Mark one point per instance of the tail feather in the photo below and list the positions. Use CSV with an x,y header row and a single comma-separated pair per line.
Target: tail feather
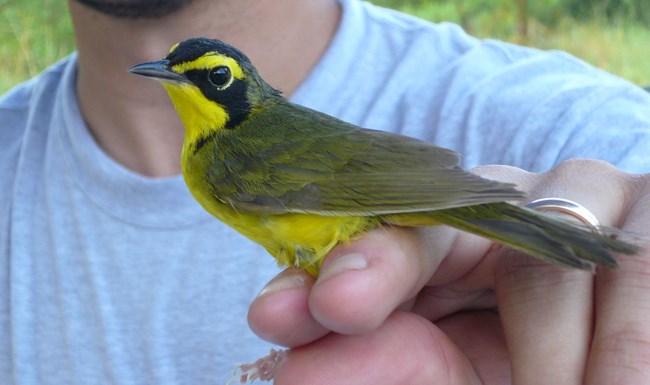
x,y
561,242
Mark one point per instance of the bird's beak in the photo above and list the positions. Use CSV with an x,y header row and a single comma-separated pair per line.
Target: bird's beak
x,y
158,70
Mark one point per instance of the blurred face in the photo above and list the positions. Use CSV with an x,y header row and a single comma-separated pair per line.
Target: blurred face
x,y
135,9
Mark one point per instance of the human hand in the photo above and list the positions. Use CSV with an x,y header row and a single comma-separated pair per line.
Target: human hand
x,y
432,305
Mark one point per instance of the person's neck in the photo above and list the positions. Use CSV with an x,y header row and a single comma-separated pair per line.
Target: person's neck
x,y
132,118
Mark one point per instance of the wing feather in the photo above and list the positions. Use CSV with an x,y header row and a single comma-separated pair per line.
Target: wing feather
x,y
304,161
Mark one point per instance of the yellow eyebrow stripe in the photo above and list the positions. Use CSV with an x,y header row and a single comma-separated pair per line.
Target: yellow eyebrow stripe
x,y
210,60
173,48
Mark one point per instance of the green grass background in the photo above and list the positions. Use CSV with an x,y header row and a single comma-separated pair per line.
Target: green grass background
x,y
36,33
33,35
617,42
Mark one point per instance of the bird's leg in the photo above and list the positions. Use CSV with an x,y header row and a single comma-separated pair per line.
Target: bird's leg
x,y
262,369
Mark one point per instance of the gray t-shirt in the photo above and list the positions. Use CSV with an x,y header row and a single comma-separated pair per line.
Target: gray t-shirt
x,y
110,277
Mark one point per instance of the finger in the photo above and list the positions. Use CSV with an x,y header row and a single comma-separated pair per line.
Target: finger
x,y
479,335
362,283
620,353
546,313
547,310
465,278
351,296
406,349
280,313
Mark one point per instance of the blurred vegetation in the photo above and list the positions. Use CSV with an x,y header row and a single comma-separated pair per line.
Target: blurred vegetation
x,y
545,11
611,34
615,11
34,34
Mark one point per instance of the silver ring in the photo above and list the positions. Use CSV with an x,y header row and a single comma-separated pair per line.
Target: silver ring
x,y
568,207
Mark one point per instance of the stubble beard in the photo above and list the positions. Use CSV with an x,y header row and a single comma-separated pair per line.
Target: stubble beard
x,y
136,9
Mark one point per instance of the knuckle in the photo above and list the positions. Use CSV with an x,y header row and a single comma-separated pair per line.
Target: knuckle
x,y
501,173
590,175
599,186
636,192
586,169
571,166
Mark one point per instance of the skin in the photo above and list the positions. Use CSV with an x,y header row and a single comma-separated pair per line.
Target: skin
x,y
396,296
132,119
554,326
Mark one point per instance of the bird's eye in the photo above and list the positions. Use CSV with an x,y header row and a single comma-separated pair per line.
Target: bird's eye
x,y
220,77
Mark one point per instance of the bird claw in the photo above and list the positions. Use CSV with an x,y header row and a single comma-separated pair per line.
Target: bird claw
x,y
262,369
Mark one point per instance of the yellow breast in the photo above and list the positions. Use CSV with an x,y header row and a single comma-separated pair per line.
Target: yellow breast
x,y
295,240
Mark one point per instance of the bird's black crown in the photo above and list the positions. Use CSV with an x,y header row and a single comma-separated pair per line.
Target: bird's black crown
x,y
194,48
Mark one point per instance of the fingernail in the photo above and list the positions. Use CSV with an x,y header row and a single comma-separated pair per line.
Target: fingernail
x,y
284,282
345,262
